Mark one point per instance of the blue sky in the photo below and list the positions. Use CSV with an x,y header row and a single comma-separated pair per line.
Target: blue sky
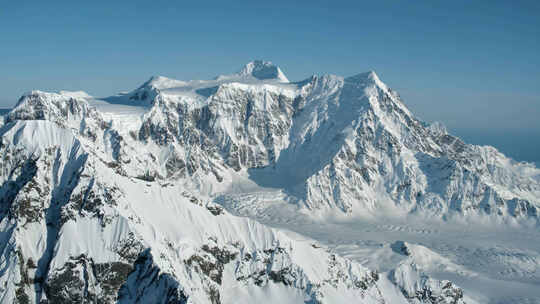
x,y
473,65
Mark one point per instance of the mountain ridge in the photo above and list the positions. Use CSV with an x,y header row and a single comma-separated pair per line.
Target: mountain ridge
x,y
142,176
287,103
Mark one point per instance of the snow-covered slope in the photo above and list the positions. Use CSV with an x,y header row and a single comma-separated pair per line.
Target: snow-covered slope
x,y
118,200
75,229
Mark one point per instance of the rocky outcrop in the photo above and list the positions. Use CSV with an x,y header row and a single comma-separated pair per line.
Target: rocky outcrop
x,y
419,288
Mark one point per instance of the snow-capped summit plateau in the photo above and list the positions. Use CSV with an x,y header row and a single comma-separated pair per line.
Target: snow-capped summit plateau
x,y
133,198
263,70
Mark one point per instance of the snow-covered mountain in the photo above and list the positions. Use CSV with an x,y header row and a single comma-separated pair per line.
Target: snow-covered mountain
x,y
127,198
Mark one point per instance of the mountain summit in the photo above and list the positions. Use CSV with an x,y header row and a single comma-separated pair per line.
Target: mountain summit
x,y
256,70
139,201
263,70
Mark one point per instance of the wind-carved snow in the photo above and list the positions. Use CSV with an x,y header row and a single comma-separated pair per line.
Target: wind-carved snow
x,y
143,196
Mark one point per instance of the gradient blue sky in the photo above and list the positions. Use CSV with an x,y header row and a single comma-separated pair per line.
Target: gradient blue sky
x,y
473,65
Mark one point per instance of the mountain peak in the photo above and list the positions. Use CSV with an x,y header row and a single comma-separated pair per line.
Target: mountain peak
x,y
263,70
161,82
367,78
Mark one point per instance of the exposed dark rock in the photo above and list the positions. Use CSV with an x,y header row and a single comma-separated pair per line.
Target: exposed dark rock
x,y
147,284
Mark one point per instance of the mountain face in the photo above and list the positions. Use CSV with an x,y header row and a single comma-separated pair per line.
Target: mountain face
x,y
117,200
